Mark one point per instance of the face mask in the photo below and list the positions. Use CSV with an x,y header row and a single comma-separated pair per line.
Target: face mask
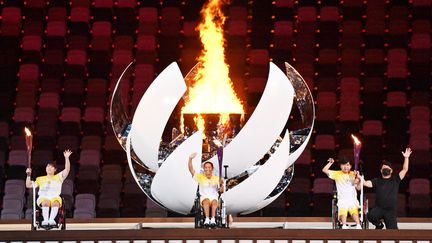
x,y
386,172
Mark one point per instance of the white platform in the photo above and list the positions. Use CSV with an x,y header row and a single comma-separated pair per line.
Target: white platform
x,y
187,225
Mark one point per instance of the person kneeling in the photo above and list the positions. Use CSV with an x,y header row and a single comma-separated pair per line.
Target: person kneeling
x,y
209,186
386,189
49,189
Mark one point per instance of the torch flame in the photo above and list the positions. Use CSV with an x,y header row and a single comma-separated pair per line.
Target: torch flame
x,y
212,92
200,122
355,139
27,132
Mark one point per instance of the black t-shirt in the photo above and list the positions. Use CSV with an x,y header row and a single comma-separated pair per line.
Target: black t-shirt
x,y
386,191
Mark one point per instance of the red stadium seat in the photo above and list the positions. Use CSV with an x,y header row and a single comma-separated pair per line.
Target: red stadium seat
x,y
372,128
85,205
349,85
77,57
91,143
90,157
32,43
237,13
170,22
307,14
397,63
11,15
284,3
396,99
68,142
237,28
49,100
322,196
24,114
17,157
71,114
102,28
80,14
29,73
419,200
126,3
351,35
56,28
325,142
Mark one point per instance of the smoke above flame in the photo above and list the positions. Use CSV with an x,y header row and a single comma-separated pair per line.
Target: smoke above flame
x,y
212,92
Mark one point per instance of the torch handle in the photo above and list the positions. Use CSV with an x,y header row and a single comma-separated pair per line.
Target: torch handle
x,y
29,160
361,199
34,203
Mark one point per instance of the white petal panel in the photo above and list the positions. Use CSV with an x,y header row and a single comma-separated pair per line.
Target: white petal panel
x,y
263,127
173,185
249,194
291,159
153,112
129,159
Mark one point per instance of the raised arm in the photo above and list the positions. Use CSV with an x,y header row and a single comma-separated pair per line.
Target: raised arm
x,y
29,183
191,169
327,166
405,165
66,170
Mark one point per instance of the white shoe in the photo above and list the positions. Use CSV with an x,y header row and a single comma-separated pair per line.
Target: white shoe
x,y
358,226
45,222
206,222
345,226
212,221
52,222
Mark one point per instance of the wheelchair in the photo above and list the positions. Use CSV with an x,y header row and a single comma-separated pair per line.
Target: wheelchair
x,y
37,217
220,217
336,224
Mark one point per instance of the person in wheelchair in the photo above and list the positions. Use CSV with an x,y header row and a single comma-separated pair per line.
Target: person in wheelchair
x,y
346,182
49,189
209,188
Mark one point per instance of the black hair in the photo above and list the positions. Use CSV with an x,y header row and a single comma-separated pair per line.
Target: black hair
x,y
208,162
344,160
53,164
388,163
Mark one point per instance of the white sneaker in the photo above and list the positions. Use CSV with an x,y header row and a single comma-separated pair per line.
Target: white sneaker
x,y
52,222
212,221
345,226
358,226
45,222
206,221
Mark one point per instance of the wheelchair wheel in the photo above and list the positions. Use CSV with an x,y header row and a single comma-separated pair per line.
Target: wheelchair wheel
x,y
61,218
365,223
32,225
335,219
221,217
63,225
38,219
198,212
198,220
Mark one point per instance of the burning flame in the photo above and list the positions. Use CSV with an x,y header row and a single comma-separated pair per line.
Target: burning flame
x,y
213,91
29,141
355,139
27,132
